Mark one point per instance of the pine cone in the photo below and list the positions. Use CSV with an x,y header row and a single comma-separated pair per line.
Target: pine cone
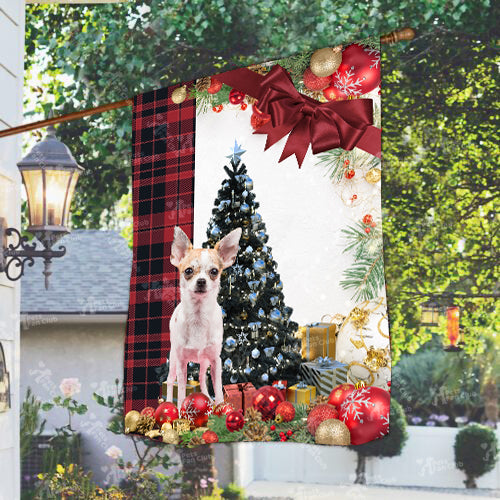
x,y
315,94
145,424
252,415
202,84
257,431
259,68
251,100
196,441
318,401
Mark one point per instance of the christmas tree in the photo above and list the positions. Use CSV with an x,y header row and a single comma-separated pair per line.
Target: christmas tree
x,y
259,344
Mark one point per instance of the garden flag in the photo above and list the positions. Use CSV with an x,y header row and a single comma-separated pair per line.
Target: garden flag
x,y
257,299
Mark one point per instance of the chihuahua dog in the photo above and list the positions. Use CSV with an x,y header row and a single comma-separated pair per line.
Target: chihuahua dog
x,y
196,326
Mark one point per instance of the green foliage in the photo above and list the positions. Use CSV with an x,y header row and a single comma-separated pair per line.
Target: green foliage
x,y
233,492
433,381
30,424
392,444
476,451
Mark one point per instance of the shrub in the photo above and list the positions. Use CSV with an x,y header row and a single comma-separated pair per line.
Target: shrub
x,y
476,452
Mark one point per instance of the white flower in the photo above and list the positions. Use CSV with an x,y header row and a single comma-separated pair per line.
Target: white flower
x,y
70,386
114,452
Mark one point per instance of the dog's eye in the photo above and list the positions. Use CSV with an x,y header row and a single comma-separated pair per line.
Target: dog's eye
x,y
188,271
214,271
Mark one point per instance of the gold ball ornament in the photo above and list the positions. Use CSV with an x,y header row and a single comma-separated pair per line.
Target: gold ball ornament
x,y
170,437
154,433
333,432
179,94
131,421
373,175
324,62
165,426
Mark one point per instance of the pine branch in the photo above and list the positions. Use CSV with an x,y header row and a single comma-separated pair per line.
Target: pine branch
x,y
334,162
366,276
296,65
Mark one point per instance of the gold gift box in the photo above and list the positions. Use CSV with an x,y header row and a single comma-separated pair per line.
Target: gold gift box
x,y
318,339
191,386
301,393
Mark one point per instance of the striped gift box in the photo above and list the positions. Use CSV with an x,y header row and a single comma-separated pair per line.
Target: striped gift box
x,y
324,374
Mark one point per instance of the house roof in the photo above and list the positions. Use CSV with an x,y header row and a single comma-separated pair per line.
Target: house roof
x,y
92,278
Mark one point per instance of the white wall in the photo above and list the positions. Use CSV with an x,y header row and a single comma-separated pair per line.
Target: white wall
x,y
11,88
93,353
427,460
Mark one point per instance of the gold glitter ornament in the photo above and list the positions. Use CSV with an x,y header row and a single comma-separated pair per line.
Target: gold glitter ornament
x,y
333,432
181,425
359,317
179,94
171,437
279,418
153,434
165,426
373,175
376,358
324,62
131,420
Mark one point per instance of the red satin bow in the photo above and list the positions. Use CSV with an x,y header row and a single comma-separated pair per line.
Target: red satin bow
x,y
325,126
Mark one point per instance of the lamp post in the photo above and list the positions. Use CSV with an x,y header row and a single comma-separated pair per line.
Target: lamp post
x,y
50,173
429,315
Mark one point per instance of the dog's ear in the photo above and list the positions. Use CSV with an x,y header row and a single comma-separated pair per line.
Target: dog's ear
x,y
228,247
180,246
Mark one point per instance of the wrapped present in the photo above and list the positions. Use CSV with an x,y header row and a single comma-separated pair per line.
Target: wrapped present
x,y
301,393
318,339
281,385
324,374
191,386
239,395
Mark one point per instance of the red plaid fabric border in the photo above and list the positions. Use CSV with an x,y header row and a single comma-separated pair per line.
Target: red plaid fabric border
x,y
163,141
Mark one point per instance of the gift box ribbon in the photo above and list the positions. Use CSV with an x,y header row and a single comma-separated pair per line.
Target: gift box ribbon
x,y
323,125
324,362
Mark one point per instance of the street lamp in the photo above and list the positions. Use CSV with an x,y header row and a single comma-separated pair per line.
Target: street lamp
x,y
429,314
50,173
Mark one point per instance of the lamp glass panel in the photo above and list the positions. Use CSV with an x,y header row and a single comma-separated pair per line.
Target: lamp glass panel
x,y
55,194
34,190
71,192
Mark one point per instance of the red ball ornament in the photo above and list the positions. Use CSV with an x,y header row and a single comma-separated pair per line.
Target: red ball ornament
x,y
210,437
332,93
367,230
223,409
313,82
359,72
218,108
339,393
215,86
349,173
367,219
235,421
149,411
236,97
244,106
166,412
286,410
318,414
197,407
266,400
366,413
257,121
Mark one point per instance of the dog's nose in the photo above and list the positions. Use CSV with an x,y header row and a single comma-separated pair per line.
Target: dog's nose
x,y
201,282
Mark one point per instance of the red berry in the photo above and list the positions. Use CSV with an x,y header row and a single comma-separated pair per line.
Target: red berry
x,y
283,438
367,230
282,433
367,219
346,162
313,82
373,224
354,196
215,86
273,427
217,108
244,106
289,432
349,173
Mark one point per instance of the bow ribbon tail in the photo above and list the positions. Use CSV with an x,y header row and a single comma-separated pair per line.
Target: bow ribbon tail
x,y
274,134
298,141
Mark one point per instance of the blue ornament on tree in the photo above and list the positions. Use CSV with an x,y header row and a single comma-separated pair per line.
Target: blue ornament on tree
x,y
248,183
273,370
230,344
264,377
274,300
275,315
261,313
255,353
228,364
248,250
253,285
259,265
263,280
245,208
253,298
279,285
248,273
215,232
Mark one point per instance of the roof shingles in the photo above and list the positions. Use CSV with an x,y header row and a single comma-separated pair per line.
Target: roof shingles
x,y
92,278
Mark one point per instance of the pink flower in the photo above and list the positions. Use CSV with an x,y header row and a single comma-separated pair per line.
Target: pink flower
x,y
203,483
114,452
70,386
